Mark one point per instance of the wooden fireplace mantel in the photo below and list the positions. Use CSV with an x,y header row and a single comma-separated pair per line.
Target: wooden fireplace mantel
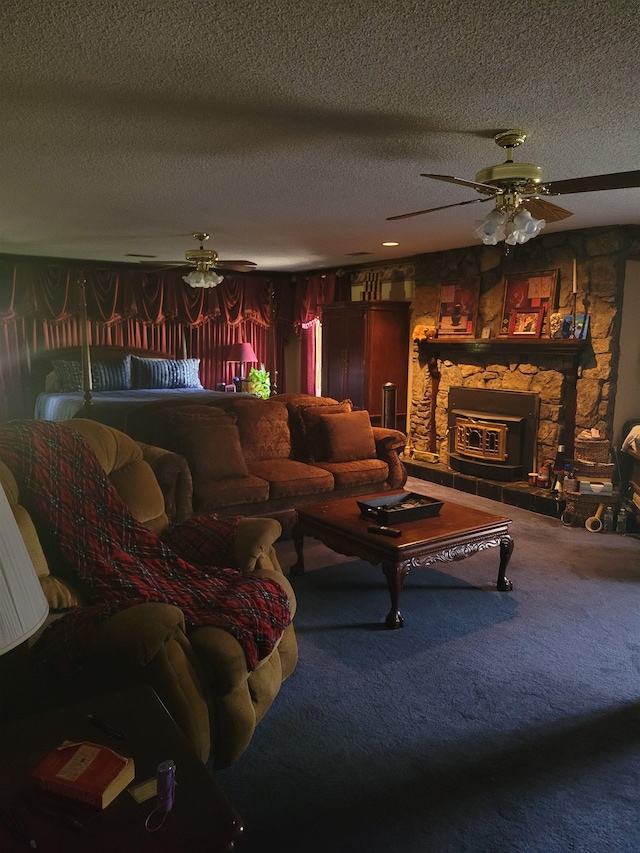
x,y
430,348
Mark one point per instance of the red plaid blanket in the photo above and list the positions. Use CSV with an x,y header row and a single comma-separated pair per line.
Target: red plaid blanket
x,y
85,525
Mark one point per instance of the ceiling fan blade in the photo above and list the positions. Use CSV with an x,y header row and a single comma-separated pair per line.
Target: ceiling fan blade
x,y
543,209
432,209
236,266
596,183
488,189
164,265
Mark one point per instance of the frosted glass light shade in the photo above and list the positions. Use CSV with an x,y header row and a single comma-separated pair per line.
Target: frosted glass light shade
x,y
203,279
23,606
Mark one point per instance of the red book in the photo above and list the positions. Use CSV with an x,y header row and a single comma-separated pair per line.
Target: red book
x,y
87,772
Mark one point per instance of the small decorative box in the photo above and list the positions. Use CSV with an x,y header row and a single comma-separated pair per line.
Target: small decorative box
x,y
391,509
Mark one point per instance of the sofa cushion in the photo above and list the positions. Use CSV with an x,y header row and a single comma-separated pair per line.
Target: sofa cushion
x,y
349,436
372,473
314,436
216,495
212,450
288,478
264,429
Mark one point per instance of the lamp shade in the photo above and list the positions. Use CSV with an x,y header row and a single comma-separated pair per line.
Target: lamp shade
x,y
241,352
23,607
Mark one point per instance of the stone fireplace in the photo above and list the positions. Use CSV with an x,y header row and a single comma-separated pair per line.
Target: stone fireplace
x,y
526,389
575,381
492,434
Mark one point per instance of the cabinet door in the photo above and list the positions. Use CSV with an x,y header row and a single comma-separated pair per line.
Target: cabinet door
x,y
354,387
334,355
343,356
386,348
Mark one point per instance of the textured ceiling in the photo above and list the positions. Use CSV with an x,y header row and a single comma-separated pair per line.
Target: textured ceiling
x,y
290,129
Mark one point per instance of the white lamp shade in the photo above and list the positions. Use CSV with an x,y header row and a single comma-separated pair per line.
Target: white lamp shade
x,y
23,606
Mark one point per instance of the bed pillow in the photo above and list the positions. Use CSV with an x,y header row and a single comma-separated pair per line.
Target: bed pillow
x,y
112,375
165,372
349,436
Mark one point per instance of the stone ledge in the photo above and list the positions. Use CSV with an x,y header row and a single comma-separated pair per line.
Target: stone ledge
x,y
518,494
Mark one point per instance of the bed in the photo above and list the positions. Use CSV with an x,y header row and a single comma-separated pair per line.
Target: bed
x,y
123,378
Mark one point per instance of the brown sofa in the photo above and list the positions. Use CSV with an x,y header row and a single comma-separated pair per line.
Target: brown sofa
x,y
255,457
202,677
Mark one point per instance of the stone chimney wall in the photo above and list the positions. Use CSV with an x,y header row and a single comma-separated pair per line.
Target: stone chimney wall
x,y
600,263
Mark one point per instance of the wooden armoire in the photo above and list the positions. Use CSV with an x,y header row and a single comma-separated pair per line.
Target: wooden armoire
x,y
364,346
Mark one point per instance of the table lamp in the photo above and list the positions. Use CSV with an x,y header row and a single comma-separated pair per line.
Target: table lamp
x,y
23,606
241,353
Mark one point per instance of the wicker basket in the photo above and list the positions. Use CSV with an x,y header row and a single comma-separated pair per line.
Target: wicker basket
x,y
581,507
582,468
592,449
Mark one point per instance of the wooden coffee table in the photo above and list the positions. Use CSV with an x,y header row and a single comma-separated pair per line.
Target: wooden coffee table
x,y
456,533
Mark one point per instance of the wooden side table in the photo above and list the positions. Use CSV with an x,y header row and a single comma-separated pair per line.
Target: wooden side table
x,y
202,818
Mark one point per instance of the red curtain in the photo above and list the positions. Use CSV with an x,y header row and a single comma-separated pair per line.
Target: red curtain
x,y
39,311
312,292
129,306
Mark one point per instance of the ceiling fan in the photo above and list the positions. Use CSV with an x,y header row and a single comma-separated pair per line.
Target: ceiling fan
x,y
205,263
521,209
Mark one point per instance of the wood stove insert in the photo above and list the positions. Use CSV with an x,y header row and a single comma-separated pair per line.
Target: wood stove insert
x,y
492,434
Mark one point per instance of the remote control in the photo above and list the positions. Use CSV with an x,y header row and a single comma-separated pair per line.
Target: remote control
x,y
385,531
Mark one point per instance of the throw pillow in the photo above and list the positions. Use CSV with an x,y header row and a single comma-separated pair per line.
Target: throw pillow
x,y
165,372
314,436
349,436
264,428
213,451
112,375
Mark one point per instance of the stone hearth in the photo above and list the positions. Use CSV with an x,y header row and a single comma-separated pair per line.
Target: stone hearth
x,y
519,494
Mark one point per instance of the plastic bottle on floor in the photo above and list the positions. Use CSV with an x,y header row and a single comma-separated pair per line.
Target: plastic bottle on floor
x,y
621,521
607,520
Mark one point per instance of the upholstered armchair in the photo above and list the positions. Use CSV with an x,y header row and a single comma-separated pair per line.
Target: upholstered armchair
x,y
202,676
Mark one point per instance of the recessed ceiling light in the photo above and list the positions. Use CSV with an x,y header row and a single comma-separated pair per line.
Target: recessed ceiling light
x,y
390,243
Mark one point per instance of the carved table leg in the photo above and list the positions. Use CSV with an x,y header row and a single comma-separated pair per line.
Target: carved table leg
x,y
506,549
395,573
297,534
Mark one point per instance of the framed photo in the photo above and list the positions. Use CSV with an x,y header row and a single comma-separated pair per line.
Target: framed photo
x,y
526,323
528,292
458,308
575,326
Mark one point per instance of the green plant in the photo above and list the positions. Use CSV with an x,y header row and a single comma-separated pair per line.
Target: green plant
x,y
261,382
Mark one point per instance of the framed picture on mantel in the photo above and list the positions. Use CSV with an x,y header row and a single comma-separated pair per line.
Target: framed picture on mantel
x,y
458,308
528,292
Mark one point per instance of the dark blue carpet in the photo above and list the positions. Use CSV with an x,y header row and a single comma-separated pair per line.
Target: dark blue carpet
x,y
491,723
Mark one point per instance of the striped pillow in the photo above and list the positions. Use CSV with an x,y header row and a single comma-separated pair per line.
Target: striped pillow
x,y
105,375
165,372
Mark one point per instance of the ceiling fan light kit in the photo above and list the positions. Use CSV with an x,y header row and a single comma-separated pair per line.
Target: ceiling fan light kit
x,y
206,261
514,228
203,278
521,209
